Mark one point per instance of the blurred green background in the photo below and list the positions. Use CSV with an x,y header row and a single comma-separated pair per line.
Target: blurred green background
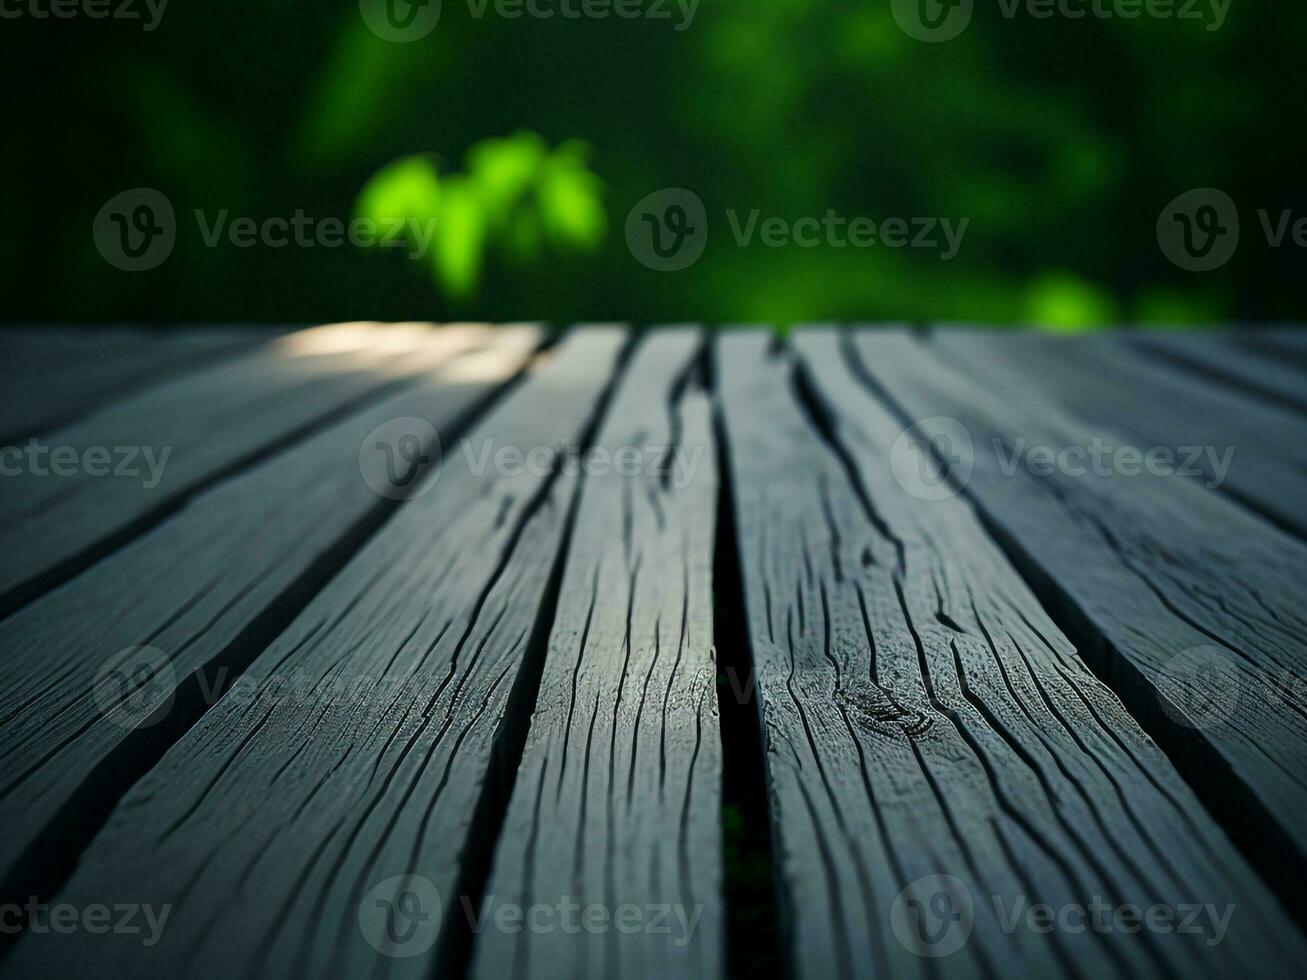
x,y
529,141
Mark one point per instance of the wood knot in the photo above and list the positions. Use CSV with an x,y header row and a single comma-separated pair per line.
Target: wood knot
x,y
873,707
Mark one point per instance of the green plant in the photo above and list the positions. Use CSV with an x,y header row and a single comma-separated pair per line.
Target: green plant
x,y
517,200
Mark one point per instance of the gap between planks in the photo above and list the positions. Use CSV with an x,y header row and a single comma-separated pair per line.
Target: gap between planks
x,y
334,798
200,429
190,604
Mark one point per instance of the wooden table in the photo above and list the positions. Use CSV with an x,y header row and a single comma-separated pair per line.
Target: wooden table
x,y
400,650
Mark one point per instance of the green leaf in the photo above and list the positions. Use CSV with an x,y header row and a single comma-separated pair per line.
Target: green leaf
x,y
504,170
517,197
407,188
460,238
570,204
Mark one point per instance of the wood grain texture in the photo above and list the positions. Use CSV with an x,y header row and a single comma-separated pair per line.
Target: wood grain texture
x,y
1221,357
208,423
340,783
1187,603
617,802
51,375
204,590
1225,440
924,717
1288,344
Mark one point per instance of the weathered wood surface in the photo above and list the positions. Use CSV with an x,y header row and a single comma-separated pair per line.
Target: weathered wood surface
x,y
86,710
1222,438
187,432
317,819
378,710
1190,605
1227,360
51,375
924,717
1287,344
617,802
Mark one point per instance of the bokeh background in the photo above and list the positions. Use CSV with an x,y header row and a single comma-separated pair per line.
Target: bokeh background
x,y
530,141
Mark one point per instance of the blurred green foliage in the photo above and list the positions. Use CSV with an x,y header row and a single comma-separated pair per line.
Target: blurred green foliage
x,y
1060,139
517,197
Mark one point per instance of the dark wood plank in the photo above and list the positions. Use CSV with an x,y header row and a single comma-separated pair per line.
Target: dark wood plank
x,y
44,348
202,592
1286,343
617,803
1225,440
49,376
1190,605
343,777
924,718
1221,358
208,424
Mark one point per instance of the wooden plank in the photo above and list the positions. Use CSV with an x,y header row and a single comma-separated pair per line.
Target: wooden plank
x,y
204,591
1221,438
931,736
336,792
1220,357
1286,343
1189,605
50,376
181,435
44,346
617,802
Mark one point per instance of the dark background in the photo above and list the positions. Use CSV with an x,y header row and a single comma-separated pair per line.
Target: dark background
x,y
1062,140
